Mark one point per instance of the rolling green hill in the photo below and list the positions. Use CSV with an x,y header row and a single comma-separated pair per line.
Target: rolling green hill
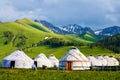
x,y
31,37
33,32
28,33
30,23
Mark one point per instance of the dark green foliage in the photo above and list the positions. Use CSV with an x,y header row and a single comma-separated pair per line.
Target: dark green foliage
x,y
37,27
16,40
57,42
9,35
19,41
112,43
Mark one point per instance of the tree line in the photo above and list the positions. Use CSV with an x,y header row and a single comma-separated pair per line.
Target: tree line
x,y
111,43
57,42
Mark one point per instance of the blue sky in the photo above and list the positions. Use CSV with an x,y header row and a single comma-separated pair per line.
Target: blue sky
x,y
96,14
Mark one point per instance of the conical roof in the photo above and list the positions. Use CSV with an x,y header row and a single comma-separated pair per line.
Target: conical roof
x,y
42,60
18,55
74,55
111,61
115,61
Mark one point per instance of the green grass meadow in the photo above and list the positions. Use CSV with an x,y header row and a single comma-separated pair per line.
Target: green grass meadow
x,y
27,74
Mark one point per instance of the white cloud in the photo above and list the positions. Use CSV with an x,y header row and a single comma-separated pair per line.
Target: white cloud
x,y
9,12
63,12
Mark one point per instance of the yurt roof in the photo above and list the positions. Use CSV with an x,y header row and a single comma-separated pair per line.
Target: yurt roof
x,y
43,60
99,57
17,55
52,57
74,55
106,57
94,61
91,57
41,57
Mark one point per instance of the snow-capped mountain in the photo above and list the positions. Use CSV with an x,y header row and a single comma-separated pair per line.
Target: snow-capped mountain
x,y
97,32
108,31
73,28
76,29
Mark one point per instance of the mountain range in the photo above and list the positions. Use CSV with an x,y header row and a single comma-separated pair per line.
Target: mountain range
x,y
69,29
77,29
110,31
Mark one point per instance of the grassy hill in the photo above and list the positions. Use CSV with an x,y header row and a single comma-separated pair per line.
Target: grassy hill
x,y
34,31
26,34
28,22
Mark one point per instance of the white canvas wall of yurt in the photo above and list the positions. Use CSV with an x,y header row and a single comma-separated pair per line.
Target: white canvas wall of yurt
x,y
74,60
102,60
42,60
111,61
54,60
94,61
115,61
17,59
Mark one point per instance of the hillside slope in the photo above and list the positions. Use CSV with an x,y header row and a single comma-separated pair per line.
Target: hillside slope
x,y
34,31
33,35
30,23
89,36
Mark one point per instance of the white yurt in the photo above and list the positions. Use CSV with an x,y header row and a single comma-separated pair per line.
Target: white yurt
x,y
42,60
111,61
74,60
17,59
94,61
54,60
102,60
115,61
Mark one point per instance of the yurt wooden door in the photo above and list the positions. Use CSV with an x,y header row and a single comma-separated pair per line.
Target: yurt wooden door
x,y
69,65
12,64
35,62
